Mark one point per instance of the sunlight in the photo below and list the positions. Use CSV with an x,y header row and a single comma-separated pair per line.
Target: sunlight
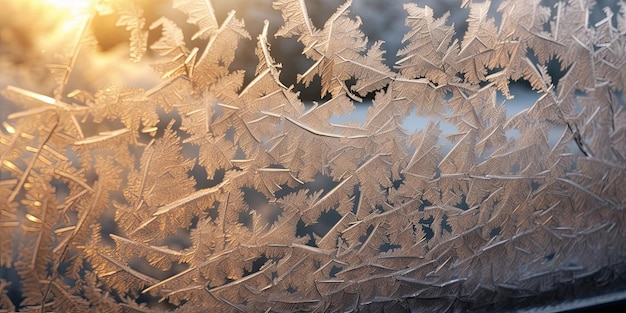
x,y
75,6
69,15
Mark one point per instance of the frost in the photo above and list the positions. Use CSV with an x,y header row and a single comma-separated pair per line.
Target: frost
x,y
210,190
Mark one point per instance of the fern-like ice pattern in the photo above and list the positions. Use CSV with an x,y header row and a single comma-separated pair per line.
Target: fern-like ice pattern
x,y
517,208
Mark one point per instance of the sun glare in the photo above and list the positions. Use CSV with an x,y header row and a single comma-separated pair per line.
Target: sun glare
x,y
76,6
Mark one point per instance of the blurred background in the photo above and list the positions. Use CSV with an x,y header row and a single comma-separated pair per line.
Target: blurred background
x,y
31,29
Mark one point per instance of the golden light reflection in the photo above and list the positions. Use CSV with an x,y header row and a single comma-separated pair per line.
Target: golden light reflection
x,y
10,129
76,6
71,14
33,218
10,165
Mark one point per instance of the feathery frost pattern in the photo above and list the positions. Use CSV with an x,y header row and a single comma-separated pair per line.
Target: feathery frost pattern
x,y
518,207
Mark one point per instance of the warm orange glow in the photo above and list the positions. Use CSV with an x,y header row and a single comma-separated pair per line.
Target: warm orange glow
x,y
67,15
74,5
33,218
10,129
8,164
